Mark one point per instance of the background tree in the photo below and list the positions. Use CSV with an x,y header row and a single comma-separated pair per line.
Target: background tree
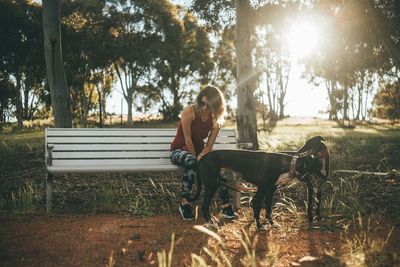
x,y
386,102
137,32
272,59
184,61
22,65
86,30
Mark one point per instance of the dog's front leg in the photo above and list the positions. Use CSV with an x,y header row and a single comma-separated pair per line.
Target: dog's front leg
x,y
319,197
208,195
257,201
310,193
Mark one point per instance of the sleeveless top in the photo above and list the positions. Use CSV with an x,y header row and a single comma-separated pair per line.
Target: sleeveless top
x,y
200,131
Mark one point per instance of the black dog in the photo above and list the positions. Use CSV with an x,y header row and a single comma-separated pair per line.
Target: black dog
x,y
265,170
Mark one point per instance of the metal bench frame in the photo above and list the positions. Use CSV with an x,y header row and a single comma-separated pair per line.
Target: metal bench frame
x,y
108,150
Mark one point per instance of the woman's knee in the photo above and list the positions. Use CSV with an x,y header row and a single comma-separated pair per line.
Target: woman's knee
x,y
190,161
183,158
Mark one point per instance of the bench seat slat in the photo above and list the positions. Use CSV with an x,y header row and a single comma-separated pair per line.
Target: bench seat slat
x,y
116,162
113,168
126,147
110,154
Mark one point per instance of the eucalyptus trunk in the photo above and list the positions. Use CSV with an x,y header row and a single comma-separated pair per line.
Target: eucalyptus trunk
x,y
18,104
129,101
346,103
54,64
246,111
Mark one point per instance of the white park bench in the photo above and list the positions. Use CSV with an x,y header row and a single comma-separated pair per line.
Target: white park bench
x,y
108,150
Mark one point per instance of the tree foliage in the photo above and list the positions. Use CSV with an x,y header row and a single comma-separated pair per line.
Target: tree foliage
x,y
158,55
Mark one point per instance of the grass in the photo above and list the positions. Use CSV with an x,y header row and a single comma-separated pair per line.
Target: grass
x,y
164,259
364,245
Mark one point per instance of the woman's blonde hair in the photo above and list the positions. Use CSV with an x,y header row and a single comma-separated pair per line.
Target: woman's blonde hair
x,y
216,102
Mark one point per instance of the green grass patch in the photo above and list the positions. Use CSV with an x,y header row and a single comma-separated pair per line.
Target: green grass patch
x,y
20,145
24,199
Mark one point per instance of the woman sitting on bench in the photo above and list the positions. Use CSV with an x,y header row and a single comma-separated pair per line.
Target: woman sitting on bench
x,y
198,121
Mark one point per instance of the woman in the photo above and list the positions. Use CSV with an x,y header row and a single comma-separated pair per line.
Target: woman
x,y
198,121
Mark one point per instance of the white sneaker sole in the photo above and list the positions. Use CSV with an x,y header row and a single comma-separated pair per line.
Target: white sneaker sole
x,y
229,217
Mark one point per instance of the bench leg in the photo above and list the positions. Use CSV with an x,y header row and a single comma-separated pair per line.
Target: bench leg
x,y
49,192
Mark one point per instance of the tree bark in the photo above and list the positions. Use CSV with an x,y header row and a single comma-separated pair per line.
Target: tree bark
x,y
54,64
346,102
246,112
129,101
18,103
100,99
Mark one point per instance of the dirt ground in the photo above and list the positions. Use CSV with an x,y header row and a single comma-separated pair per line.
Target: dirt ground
x,y
104,240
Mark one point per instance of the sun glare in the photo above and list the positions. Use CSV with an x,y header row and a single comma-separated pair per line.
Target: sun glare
x,y
302,39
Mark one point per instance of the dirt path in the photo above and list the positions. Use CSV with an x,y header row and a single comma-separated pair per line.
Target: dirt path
x,y
90,240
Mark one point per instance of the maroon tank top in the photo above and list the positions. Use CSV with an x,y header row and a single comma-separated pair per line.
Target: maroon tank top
x,y
200,131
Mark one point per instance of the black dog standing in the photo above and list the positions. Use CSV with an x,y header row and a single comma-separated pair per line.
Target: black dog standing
x,y
265,170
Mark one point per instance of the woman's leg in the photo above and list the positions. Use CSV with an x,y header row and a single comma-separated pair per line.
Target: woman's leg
x,y
223,192
225,196
186,160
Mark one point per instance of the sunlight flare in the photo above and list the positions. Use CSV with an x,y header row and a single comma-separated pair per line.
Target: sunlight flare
x,y
302,38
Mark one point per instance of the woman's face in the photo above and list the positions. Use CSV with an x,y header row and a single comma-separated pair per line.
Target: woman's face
x,y
204,106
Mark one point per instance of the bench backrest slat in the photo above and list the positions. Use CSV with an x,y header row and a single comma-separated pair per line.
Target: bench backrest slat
x,y
111,149
126,147
116,140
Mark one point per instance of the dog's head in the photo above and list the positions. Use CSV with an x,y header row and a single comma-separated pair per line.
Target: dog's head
x,y
314,144
318,150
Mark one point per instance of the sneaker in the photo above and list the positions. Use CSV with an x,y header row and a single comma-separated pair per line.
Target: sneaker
x,y
228,213
186,212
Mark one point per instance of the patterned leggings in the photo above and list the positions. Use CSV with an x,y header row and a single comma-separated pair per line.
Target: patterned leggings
x,y
186,160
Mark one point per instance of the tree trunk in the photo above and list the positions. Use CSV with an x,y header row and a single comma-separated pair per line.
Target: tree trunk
x,y
100,97
18,104
26,104
129,101
246,113
54,64
330,86
346,103
84,117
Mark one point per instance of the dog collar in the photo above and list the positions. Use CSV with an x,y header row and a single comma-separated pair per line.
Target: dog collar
x,y
292,171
